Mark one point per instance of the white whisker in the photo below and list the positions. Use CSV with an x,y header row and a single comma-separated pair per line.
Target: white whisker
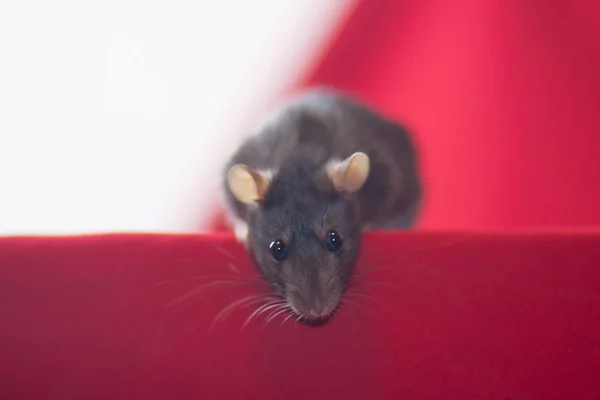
x,y
244,301
275,309
292,314
273,316
366,283
366,296
260,310
234,268
225,252
222,280
348,301
191,278
200,288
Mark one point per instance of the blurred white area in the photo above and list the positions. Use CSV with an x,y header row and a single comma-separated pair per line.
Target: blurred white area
x,y
117,115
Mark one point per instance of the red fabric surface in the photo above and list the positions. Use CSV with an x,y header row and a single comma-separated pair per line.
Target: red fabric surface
x,y
461,316
502,97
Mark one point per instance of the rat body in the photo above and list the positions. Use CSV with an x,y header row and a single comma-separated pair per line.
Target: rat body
x,y
303,188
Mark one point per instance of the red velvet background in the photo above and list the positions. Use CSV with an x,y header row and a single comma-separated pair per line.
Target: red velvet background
x,y
460,317
503,100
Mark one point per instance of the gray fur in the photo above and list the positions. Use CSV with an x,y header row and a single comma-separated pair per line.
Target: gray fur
x,y
297,143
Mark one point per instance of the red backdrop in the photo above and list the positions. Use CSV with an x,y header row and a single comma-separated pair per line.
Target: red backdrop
x,y
503,99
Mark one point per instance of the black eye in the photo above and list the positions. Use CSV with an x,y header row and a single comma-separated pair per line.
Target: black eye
x,y
334,241
278,250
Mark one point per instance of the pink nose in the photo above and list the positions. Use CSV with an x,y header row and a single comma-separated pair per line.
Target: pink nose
x,y
316,314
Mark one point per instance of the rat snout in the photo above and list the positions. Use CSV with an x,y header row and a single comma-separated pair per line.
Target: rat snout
x,y
314,289
317,305
318,309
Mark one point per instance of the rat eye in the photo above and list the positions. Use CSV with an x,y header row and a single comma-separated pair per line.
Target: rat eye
x,y
278,250
334,241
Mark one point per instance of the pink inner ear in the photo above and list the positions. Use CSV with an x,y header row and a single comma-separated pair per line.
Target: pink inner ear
x,y
344,174
243,184
351,173
337,176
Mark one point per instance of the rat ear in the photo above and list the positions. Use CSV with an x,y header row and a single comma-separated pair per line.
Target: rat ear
x,y
247,185
350,174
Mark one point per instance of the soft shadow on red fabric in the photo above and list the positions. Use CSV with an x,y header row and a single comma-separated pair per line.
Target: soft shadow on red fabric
x,y
450,316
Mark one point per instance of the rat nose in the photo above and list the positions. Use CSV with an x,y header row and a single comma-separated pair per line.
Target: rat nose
x,y
318,309
316,313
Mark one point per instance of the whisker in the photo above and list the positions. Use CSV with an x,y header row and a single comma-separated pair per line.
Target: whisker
x,y
225,252
362,254
364,272
385,258
199,289
275,306
234,268
260,310
273,316
193,278
395,256
252,301
289,278
330,276
351,302
248,300
292,314
352,284
364,295
274,309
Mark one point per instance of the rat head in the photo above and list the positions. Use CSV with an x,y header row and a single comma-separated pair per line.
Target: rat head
x,y
304,229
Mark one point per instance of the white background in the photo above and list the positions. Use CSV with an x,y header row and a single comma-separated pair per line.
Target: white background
x,y
117,115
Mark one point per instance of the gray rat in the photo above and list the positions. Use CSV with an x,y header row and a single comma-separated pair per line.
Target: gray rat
x,y
302,189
